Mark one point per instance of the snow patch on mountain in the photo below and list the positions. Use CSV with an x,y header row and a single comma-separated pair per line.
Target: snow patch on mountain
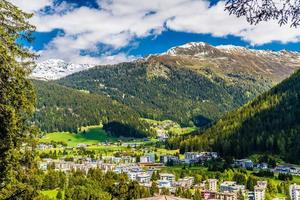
x,y
54,69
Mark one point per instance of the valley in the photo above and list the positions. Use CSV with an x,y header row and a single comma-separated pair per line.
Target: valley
x,y
149,100
188,114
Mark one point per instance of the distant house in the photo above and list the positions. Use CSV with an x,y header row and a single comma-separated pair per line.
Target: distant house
x,y
132,175
231,186
81,145
169,159
262,166
143,178
212,184
259,193
185,182
164,184
244,163
195,157
167,177
295,192
43,166
211,195
148,158
163,198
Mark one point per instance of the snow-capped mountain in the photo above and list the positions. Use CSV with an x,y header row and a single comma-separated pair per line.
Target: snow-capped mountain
x,y
54,69
202,49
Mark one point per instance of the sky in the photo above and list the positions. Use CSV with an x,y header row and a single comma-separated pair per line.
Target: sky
x,y
113,31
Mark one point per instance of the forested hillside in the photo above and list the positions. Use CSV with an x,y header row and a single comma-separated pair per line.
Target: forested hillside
x,y
270,123
64,109
192,84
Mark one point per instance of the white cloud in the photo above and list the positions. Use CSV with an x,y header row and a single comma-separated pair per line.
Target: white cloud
x,y
31,5
118,22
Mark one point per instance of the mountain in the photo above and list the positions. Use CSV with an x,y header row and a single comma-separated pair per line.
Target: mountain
x,y
268,124
55,69
191,84
64,109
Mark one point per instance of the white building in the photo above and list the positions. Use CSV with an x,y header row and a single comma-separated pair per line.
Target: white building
x,y
167,177
212,184
259,193
295,192
244,163
186,182
143,178
262,184
231,186
164,184
147,158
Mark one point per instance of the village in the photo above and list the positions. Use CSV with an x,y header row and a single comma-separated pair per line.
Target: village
x,y
146,170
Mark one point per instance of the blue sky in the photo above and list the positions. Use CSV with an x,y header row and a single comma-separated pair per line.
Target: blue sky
x,y
111,31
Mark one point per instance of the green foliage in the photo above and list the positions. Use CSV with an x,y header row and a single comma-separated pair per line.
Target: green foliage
x,y
90,135
269,124
17,101
154,188
183,95
285,177
65,109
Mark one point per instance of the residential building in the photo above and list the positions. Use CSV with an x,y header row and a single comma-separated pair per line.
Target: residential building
x,y
148,158
231,186
163,198
195,157
212,184
167,177
164,183
210,195
259,192
262,184
186,182
295,192
169,159
250,195
244,163
143,178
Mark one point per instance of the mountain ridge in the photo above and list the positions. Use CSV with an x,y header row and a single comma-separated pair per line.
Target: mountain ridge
x,y
54,69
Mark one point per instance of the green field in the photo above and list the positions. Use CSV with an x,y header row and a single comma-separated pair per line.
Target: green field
x,y
88,135
50,194
170,126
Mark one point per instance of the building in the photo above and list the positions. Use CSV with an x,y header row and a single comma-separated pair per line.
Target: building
x,y
132,175
186,182
210,195
191,157
259,192
195,157
262,184
295,192
148,158
164,184
143,178
81,145
163,198
250,195
231,186
169,159
244,163
167,177
212,184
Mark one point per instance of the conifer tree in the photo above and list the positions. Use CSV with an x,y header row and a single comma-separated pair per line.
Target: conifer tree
x,y
17,98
